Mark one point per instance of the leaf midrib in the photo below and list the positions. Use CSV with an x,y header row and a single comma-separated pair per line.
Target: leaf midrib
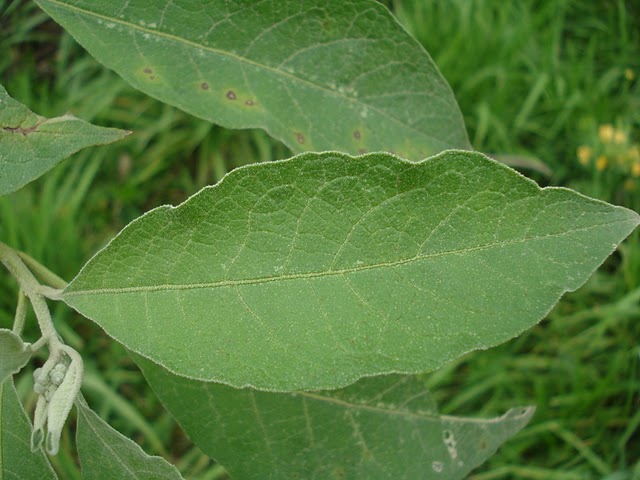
x,y
370,408
328,273
239,58
422,415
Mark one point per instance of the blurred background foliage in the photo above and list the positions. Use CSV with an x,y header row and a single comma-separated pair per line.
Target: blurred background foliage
x,y
550,87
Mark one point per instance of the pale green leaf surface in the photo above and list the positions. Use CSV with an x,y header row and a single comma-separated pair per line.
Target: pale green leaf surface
x,y
330,75
378,428
17,461
31,145
14,354
106,453
312,272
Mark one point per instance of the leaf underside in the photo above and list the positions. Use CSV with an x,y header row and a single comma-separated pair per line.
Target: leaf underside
x,y
313,272
31,145
378,428
329,75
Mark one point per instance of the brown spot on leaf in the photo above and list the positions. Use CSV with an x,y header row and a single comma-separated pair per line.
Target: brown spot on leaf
x,y
204,86
357,135
362,151
231,95
151,77
147,70
24,131
300,138
249,103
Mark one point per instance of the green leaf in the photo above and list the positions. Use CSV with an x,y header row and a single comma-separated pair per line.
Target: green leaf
x,y
312,272
103,449
378,428
14,353
31,145
329,75
17,461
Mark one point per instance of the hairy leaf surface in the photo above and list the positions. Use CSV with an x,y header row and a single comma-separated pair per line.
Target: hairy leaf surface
x,y
31,145
14,353
105,452
312,272
379,428
17,461
329,75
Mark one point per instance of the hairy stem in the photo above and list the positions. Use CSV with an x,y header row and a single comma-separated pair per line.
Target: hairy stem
x,y
46,275
21,313
32,289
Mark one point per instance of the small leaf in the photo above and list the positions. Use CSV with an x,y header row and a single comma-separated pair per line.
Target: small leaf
x,y
313,272
378,428
31,145
330,75
104,450
17,461
14,353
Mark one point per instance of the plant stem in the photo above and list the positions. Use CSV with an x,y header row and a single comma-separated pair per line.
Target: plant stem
x,y
21,313
43,272
28,283
31,288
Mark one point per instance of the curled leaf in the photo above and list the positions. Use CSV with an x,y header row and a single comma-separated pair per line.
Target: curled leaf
x,y
61,402
39,419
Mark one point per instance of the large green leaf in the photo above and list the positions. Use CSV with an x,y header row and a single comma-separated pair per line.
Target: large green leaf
x,y
31,145
106,453
312,272
378,428
17,461
330,75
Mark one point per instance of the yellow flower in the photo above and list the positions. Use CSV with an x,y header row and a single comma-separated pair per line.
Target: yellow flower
x,y
619,136
635,169
601,162
584,154
628,74
629,184
605,132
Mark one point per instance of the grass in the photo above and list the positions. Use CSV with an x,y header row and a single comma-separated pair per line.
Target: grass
x,y
534,80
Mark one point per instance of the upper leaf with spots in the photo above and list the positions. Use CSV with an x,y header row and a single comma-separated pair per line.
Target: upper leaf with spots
x,y
329,75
